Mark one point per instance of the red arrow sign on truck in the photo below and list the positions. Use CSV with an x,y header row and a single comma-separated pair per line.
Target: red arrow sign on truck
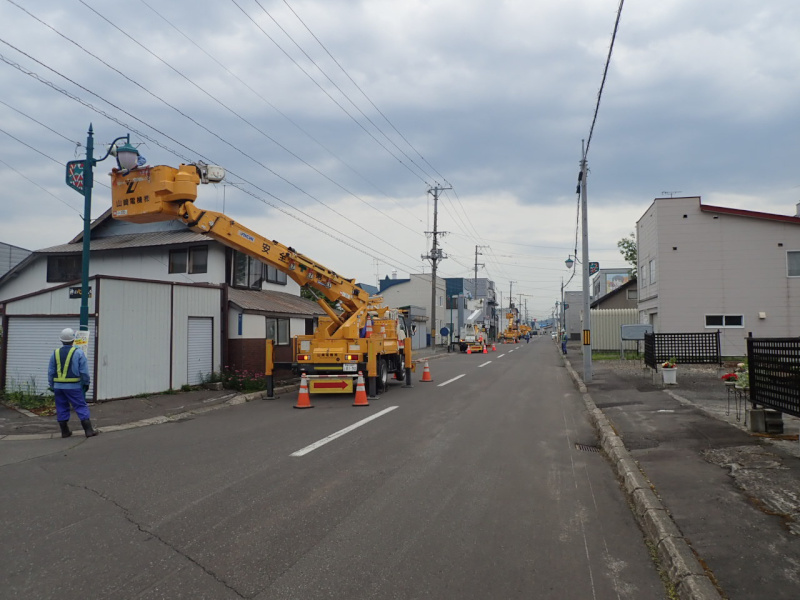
x,y
330,384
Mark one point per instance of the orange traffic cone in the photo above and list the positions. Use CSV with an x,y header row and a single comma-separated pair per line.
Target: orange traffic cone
x,y
485,351
361,392
494,348
469,349
426,373
369,327
303,399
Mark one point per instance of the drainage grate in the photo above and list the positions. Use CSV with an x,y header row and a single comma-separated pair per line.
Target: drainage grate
x,y
587,448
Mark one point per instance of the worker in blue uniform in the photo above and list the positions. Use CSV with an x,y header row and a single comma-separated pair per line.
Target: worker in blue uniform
x,y
68,375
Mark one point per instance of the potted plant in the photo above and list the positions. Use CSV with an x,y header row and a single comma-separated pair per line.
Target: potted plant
x,y
730,379
669,371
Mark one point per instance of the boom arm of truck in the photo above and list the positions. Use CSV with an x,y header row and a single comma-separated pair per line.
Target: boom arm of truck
x,y
162,193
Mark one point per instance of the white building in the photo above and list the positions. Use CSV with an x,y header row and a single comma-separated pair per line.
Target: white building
x,y
417,291
703,268
167,307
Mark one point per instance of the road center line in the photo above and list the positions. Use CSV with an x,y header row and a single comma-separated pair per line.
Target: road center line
x,y
501,356
341,432
488,362
451,380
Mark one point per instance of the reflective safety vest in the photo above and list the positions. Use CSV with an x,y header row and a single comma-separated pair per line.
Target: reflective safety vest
x,y
61,373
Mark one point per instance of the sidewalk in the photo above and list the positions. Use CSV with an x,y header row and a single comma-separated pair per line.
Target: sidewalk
x,y
129,413
126,413
719,504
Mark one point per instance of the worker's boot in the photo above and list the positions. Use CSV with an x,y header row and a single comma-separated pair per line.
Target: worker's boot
x,y
87,428
65,432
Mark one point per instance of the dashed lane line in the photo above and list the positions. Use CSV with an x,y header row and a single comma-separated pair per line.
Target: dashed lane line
x,y
341,432
452,380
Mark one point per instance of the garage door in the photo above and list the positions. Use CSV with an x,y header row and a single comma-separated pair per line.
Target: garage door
x,y
31,342
201,349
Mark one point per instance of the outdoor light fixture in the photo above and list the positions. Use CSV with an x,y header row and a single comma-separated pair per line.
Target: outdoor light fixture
x,y
569,262
127,156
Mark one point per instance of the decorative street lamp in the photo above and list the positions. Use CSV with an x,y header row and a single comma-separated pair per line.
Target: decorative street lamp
x,y
569,262
80,177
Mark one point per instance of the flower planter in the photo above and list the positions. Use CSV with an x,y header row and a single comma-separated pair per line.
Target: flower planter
x,y
669,375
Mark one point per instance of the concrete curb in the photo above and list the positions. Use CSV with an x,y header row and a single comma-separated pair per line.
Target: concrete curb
x,y
678,559
234,401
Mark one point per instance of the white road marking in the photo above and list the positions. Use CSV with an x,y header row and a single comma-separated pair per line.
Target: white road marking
x,y
488,362
341,432
501,356
451,380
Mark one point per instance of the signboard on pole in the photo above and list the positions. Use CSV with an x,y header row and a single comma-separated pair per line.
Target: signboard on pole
x,y
75,170
594,267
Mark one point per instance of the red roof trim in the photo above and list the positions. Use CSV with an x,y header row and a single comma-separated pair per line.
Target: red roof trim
x,y
749,213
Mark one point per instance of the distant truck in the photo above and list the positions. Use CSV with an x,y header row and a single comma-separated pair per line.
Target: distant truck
x,y
471,336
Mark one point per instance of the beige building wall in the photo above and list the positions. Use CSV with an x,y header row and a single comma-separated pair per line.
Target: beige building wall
x,y
694,263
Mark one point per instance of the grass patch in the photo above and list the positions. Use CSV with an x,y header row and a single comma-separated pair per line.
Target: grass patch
x,y
25,396
629,355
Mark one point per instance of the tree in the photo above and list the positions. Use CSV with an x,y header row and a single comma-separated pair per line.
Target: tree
x,y
309,294
627,247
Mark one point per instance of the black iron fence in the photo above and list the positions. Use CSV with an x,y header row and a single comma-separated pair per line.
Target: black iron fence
x,y
685,348
774,373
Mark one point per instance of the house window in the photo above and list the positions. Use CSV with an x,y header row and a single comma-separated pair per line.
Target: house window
x,y
644,275
250,273
652,271
275,276
189,260
61,269
278,331
716,321
632,294
793,263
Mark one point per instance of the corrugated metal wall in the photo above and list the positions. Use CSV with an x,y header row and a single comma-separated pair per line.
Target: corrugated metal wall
x,y
193,302
606,324
31,343
133,347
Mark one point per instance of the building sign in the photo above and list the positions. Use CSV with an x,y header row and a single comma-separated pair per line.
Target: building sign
x,y
75,292
594,267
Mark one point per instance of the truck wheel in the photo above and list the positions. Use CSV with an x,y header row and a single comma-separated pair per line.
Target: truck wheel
x,y
383,375
400,373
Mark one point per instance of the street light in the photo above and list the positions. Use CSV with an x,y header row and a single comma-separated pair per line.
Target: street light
x,y
569,262
80,177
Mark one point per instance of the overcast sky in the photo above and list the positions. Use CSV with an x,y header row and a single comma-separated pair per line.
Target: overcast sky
x,y
334,119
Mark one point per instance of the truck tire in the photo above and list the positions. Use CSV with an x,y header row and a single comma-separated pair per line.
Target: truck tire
x,y
383,375
400,372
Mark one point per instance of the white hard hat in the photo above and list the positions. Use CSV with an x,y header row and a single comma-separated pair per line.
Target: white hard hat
x,y
67,335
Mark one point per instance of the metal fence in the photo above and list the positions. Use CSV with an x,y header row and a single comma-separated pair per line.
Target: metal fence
x,y
685,348
774,373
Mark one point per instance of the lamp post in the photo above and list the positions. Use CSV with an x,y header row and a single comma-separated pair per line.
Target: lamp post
x,y
80,177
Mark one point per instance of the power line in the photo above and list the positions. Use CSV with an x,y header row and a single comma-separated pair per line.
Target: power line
x,y
603,82
324,91
219,137
363,93
325,229
291,121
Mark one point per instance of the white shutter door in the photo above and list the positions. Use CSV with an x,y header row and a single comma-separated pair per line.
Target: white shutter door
x,y
31,342
201,349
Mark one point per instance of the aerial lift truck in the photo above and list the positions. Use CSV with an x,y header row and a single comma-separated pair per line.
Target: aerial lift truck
x,y
342,344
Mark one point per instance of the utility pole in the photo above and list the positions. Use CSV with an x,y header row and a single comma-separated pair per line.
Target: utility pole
x,y
436,255
475,281
587,322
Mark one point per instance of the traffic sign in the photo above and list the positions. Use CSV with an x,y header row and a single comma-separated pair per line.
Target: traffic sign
x,y
594,267
444,332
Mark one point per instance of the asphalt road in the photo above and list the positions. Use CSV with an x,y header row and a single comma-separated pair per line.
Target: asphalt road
x,y
477,485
